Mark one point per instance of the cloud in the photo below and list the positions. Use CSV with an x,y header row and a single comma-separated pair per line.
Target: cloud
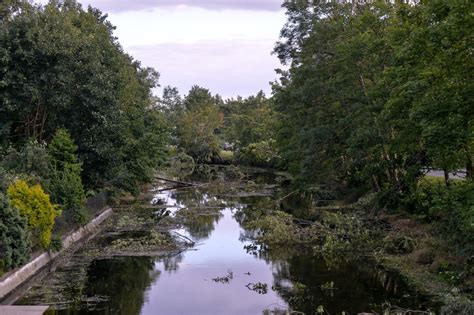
x,y
228,67
116,6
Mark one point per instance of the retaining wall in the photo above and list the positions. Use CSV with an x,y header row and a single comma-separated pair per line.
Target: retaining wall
x,y
14,280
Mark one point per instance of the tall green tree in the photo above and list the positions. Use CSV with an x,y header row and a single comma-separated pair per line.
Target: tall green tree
x,y
62,67
375,92
199,125
435,92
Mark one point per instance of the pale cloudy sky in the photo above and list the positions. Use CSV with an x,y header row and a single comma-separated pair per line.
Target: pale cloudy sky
x,y
223,45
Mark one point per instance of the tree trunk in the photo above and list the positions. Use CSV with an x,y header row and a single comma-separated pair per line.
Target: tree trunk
x,y
469,167
446,177
376,184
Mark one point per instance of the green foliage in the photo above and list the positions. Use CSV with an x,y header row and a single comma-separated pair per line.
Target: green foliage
x,y
263,153
199,124
14,237
277,229
65,184
34,205
62,150
249,120
31,159
351,109
205,125
65,69
452,206
56,244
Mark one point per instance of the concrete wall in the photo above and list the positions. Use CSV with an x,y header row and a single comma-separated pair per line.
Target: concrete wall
x,y
18,277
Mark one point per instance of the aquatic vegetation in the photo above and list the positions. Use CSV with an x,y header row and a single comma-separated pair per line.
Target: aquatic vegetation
x,y
149,242
224,279
259,287
335,232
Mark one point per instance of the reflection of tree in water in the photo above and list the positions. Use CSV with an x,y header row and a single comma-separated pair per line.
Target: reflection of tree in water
x,y
252,207
112,286
202,212
304,280
201,226
123,281
192,197
171,262
301,280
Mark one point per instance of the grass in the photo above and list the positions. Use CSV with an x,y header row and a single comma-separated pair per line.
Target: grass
x,y
429,180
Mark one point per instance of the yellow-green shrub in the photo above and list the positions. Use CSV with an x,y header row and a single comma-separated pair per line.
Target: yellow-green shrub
x,y
35,205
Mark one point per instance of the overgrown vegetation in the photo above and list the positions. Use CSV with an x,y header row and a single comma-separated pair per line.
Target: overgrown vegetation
x,y
374,96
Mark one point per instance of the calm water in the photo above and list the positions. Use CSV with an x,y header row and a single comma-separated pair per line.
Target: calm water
x,y
184,283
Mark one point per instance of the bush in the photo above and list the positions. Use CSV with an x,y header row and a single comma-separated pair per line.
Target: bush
x,y
66,190
14,237
453,206
34,205
32,159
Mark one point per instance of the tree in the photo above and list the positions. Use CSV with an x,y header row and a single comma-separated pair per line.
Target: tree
x,y
250,126
435,92
61,61
248,120
65,184
375,92
197,132
199,125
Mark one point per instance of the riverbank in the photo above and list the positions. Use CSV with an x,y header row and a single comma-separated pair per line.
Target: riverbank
x,y
430,262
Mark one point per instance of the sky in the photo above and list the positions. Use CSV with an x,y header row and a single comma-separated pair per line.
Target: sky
x,y
222,45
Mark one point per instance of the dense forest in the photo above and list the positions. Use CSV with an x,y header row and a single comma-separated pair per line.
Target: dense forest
x,y
375,96
370,98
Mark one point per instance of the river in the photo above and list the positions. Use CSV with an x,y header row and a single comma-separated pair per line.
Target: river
x,y
223,273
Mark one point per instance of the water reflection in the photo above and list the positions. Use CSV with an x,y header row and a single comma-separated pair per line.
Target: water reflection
x,y
112,286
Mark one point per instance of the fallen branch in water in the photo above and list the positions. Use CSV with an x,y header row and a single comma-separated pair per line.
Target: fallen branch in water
x,y
184,237
176,181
